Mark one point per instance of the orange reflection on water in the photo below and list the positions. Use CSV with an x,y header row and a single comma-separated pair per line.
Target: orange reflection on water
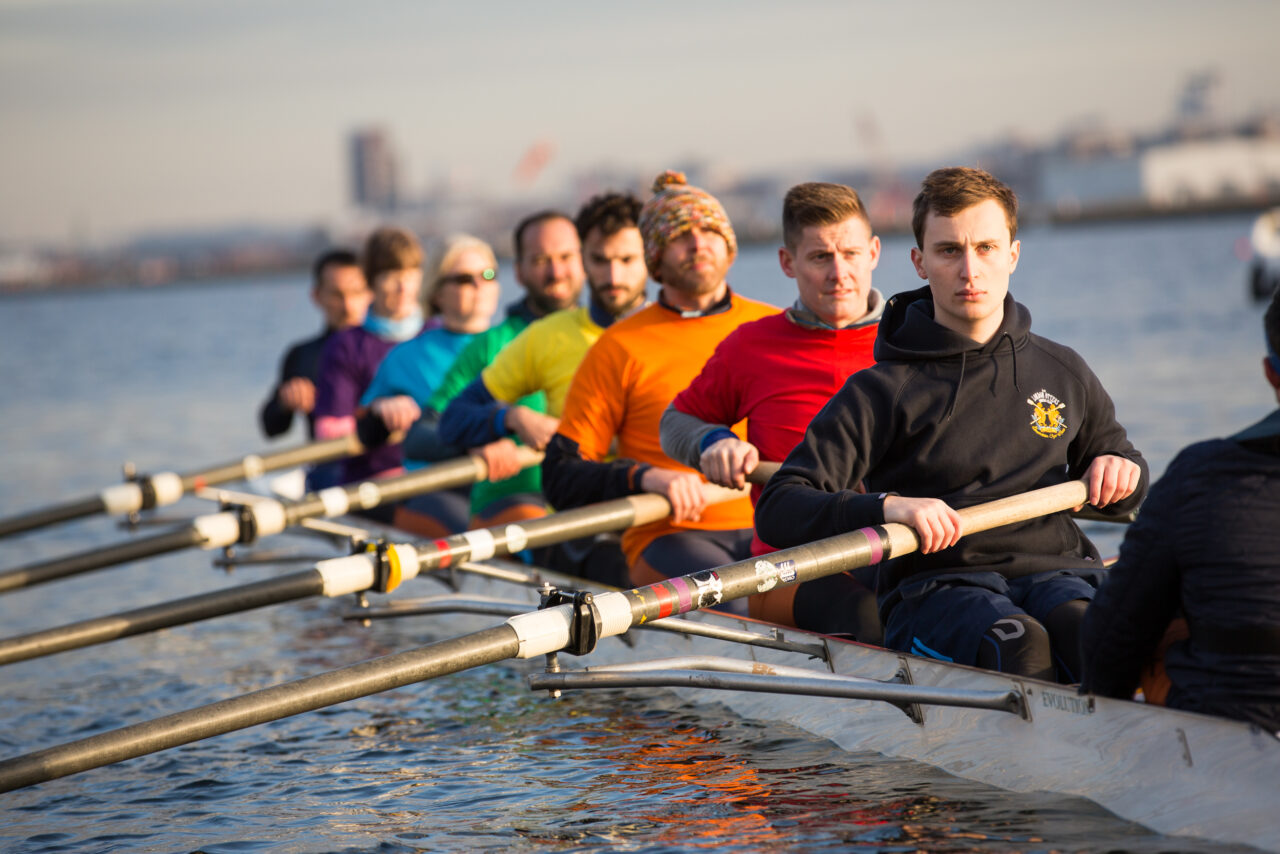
x,y
689,769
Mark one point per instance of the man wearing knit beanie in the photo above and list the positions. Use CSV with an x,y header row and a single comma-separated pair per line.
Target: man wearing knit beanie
x,y
677,208
632,373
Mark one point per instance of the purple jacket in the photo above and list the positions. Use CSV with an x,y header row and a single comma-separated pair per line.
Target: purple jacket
x,y
347,365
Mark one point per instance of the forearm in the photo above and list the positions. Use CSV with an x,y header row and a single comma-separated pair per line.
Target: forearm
x,y
792,511
370,430
683,435
473,418
423,441
569,480
275,417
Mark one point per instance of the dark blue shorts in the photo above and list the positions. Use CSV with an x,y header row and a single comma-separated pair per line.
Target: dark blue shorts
x,y
944,616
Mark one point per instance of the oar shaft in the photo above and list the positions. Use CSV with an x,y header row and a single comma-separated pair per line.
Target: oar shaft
x,y
286,588
605,516
255,465
853,550
266,517
158,490
52,515
525,636
269,704
608,516
143,547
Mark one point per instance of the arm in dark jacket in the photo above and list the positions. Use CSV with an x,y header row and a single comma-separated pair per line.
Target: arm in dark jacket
x,y
423,441
275,417
473,418
570,481
814,495
1102,434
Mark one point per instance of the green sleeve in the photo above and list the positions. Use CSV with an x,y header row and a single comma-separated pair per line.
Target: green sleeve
x,y
473,359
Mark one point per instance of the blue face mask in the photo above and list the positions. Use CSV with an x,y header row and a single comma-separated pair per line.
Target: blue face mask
x,y
394,330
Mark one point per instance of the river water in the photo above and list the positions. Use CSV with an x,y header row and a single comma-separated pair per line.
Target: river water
x,y
171,378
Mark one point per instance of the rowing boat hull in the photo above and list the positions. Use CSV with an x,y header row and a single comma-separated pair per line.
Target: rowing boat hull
x,y
1176,772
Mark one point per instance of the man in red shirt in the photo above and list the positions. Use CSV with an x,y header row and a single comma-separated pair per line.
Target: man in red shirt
x,y
778,372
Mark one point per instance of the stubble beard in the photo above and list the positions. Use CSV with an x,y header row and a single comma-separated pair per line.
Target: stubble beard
x,y
687,280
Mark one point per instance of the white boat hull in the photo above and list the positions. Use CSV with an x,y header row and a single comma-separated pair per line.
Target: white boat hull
x,y
1175,772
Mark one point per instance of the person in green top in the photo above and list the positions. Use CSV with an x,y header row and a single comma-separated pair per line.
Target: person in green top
x,y
549,268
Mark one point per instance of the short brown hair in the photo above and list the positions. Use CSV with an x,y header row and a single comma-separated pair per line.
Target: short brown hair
x,y
948,191
818,203
388,249
535,219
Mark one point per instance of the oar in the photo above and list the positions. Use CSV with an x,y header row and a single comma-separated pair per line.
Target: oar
x,y
572,626
261,518
158,490
382,570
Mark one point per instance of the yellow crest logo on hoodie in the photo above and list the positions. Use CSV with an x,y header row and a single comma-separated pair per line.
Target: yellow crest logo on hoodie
x,y
1046,415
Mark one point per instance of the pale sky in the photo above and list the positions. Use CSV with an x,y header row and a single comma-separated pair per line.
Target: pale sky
x,y
126,115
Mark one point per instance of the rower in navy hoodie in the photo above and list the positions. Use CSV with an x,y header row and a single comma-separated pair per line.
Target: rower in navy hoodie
x,y
965,405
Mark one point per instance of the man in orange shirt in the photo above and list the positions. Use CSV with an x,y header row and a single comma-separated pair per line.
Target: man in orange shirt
x,y
632,373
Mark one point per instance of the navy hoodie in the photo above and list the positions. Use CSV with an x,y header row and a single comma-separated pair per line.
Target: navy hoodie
x,y
941,416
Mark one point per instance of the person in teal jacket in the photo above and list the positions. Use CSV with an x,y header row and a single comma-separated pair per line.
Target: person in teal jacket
x,y
549,268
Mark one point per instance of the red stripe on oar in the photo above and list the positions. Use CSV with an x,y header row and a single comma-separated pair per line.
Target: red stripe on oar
x,y
446,557
666,602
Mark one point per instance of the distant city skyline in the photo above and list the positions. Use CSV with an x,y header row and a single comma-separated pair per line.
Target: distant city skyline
x,y
126,116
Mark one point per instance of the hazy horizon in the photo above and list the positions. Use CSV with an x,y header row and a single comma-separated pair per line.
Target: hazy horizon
x,y
124,116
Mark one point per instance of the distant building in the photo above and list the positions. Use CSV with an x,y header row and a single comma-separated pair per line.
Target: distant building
x,y
374,172
1165,176
1211,170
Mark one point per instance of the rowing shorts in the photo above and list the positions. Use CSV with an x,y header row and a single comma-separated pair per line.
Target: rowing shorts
x,y
944,616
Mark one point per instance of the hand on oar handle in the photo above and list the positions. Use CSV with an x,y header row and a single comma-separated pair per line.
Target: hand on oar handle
x,y
500,457
936,524
729,461
683,489
298,395
398,413
1111,479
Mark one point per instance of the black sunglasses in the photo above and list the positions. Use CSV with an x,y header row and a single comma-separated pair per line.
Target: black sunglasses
x,y
486,275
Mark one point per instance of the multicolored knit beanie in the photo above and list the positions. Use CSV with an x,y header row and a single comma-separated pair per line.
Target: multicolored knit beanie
x,y
675,208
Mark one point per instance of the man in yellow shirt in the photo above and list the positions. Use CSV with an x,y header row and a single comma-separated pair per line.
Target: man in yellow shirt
x,y
546,354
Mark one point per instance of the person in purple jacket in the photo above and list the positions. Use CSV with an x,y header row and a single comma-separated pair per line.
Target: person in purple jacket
x,y
392,260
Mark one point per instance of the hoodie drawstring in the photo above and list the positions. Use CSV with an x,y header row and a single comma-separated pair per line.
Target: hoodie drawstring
x,y
964,358
1013,354
955,395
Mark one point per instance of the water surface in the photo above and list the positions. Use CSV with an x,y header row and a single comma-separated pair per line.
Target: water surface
x,y
171,379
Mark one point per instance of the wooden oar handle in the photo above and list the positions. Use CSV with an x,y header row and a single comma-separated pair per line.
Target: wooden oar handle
x,y
762,473
1017,508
